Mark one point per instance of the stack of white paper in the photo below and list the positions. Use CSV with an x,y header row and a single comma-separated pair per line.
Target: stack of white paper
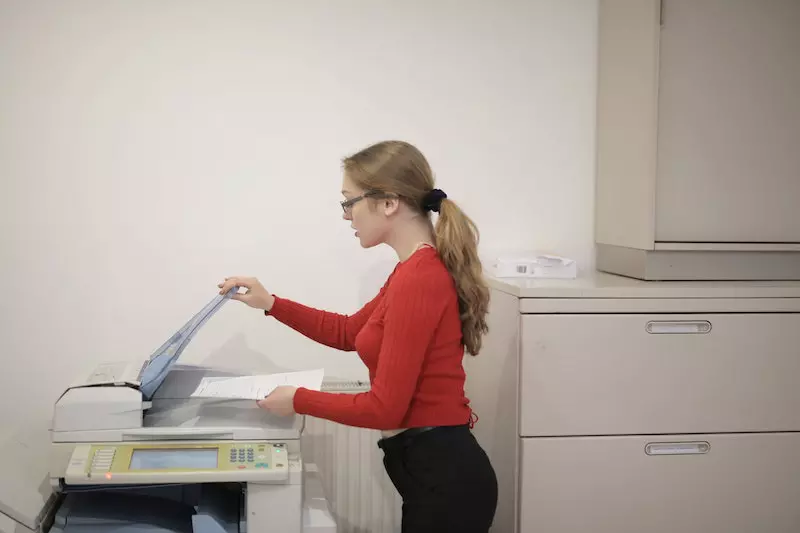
x,y
256,387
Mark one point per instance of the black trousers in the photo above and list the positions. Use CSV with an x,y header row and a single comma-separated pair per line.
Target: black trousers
x,y
444,478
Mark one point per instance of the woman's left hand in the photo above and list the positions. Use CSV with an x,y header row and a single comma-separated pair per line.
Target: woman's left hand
x,y
280,401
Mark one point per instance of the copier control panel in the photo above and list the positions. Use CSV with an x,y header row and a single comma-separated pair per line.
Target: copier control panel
x,y
178,462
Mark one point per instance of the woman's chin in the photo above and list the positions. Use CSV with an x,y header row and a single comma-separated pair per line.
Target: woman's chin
x,y
366,243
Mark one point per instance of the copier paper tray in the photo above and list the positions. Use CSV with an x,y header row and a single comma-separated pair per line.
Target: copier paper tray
x,y
211,508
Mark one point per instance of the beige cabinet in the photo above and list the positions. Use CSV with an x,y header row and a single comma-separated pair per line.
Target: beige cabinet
x,y
698,129
649,373
614,405
717,483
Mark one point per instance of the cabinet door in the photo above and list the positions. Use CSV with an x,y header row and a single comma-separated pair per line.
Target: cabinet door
x,y
729,122
633,374
661,484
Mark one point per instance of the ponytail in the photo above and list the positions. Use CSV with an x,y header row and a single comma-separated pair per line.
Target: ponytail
x,y
457,242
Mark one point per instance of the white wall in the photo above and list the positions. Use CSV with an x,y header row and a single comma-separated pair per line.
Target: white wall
x,y
149,148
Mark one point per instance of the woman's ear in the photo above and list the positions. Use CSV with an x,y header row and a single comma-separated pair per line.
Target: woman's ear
x,y
391,206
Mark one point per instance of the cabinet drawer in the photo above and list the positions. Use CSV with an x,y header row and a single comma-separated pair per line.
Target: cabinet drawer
x,y
713,484
635,374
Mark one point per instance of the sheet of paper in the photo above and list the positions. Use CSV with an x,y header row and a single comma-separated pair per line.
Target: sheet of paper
x,y
256,387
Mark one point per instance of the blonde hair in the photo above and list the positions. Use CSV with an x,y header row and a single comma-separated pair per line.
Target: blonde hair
x,y
398,168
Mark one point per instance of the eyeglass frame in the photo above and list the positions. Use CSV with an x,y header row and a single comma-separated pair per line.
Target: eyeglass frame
x,y
347,205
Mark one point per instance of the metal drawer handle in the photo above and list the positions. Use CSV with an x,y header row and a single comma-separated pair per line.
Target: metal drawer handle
x,y
680,327
677,448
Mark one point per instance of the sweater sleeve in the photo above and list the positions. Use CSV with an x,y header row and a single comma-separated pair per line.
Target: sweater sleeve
x,y
331,329
414,310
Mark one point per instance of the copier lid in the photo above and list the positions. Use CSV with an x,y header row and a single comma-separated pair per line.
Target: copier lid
x,y
160,363
26,495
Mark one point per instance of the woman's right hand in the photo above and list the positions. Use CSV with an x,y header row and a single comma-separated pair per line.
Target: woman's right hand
x,y
256,296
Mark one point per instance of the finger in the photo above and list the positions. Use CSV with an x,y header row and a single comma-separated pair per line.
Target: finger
x,y
225,286
230,283
242,282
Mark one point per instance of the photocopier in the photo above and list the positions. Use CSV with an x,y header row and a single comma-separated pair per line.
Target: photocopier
x,y
130,450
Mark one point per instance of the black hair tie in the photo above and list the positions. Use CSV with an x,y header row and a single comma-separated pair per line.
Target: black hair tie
x,y
433,200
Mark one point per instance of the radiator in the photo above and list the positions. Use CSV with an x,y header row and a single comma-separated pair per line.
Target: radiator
x,y
360,495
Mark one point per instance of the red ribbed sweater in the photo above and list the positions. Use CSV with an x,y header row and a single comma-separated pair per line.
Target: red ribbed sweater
x,y
408,336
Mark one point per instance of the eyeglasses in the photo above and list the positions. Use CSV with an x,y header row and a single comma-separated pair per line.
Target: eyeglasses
x,y
347,205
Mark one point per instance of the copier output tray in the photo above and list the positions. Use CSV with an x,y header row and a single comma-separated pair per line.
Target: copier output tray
x,y
197,508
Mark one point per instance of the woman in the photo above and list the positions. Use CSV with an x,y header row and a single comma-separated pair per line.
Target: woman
x,y
412,338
